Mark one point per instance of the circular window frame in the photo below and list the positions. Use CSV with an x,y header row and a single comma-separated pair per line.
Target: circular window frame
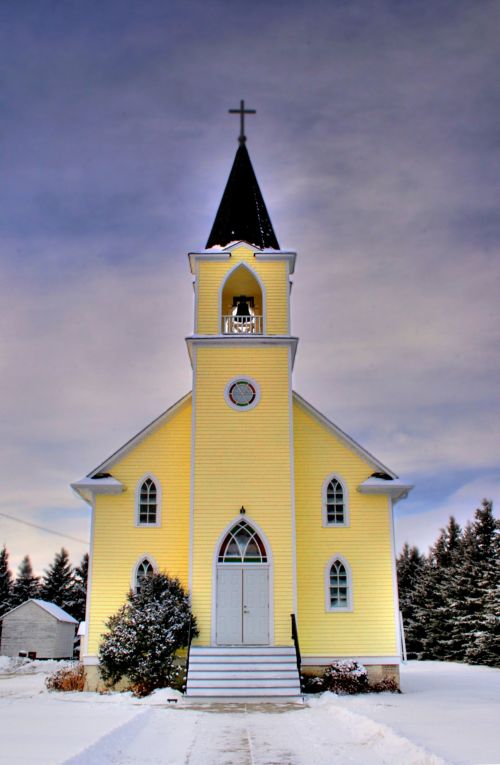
x,y
242,378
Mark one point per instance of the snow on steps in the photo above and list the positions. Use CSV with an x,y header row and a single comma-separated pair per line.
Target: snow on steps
x,y
242,671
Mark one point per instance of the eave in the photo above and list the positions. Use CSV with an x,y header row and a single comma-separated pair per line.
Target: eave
x,y
224,253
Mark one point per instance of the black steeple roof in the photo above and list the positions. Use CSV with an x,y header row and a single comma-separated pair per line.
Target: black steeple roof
x,y
242,213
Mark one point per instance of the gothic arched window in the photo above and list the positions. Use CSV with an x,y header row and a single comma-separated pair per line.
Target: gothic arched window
x,y
334,502
338,585
144,569
242,544
148,502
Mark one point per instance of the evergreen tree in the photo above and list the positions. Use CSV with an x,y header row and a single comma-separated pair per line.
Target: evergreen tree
x,y
144,635
434,615
481,622
58,582
80,576
5,582
26,585
410,566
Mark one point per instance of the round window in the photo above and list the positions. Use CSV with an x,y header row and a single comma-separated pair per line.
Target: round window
x,y
242,393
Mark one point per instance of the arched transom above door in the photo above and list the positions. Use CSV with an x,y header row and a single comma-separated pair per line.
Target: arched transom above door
x,y
242,544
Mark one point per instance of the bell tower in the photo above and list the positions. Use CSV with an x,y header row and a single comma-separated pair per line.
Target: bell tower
x,y
242,355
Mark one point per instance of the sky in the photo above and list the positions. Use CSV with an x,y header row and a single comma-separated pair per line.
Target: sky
x,y
376,148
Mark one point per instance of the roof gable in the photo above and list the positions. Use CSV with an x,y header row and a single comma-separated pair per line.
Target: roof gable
x,y
51,608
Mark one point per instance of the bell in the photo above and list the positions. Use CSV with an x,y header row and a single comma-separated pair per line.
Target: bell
x,y
243,309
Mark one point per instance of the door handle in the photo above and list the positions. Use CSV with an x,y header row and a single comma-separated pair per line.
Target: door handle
x,y
245,610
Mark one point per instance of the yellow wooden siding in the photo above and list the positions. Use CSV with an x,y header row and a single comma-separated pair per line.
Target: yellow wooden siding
x,y
211,275
118,544
242,458
366,544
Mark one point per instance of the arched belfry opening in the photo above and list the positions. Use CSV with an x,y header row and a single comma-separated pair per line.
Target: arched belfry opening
x,y
242,303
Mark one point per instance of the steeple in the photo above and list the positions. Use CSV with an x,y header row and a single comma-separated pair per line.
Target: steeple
x,y
242,213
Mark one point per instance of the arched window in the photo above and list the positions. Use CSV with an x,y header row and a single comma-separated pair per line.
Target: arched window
x,y
334,502
338,585
144,569
242,544
148,501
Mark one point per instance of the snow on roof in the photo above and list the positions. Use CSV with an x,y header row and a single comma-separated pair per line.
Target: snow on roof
x,y
54,610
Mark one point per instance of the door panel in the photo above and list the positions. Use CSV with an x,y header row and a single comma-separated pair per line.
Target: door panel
x,y
229,605
255,606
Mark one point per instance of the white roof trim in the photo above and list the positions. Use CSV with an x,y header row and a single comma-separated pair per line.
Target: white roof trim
x,y
51,608
224,253
396,489
347,440
87,487
140,436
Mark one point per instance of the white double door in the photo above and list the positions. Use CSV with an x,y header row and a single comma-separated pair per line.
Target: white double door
x,y
242,605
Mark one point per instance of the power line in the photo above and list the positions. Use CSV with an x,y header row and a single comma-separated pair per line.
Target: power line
x,y
44,528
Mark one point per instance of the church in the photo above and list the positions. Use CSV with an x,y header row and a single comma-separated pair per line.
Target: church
x,y
285,544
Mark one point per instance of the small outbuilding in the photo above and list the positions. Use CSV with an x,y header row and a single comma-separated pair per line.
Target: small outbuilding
x,y
38,629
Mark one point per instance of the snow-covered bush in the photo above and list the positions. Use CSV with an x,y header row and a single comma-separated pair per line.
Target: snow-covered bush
x,y
144,635
67,679
344,676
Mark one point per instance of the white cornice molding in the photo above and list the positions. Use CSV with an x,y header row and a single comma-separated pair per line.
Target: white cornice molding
x,y
225,253
88,487
350,442
395,489
194,341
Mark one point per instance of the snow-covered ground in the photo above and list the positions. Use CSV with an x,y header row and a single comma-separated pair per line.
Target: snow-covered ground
x,y
447,713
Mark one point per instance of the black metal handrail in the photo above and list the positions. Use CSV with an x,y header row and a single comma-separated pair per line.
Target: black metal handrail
x,y
295,638
190,640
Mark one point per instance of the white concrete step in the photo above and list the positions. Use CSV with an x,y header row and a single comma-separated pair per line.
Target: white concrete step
x,y
241,671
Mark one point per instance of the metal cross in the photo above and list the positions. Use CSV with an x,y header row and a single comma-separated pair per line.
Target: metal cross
x,y
242,111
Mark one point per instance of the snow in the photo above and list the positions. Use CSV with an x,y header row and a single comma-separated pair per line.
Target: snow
x,y
448,713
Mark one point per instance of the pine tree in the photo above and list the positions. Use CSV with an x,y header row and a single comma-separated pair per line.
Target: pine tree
x,y
144,635
26,585
5,582
434,615
481,623
410,567
80,589
58,582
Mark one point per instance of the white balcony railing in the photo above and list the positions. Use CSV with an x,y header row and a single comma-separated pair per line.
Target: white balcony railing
x,y
242,325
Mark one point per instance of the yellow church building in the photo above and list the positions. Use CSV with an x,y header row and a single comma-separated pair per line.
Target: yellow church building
x,y
286,544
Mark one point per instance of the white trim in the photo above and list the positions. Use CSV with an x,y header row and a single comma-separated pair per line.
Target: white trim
x,y
90,661
395,594
292,487
215,564
89,578
288,298
140,436
318,661
345,493
395,489
143,557
350,596
242,378
159,501
191,499
240,340
262,292
347,440
226,252
86,487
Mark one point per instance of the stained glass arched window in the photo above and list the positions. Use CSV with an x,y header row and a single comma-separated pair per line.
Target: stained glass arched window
x,y
148,502
242,545
144,569
338,586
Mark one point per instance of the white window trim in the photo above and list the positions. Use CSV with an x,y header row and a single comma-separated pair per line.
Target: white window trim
x,y
143,557
324,498
235,406
159,499
350,606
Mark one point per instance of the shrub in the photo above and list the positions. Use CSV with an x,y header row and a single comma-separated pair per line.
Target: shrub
x,y
67,679
387,685
343,676
144,635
